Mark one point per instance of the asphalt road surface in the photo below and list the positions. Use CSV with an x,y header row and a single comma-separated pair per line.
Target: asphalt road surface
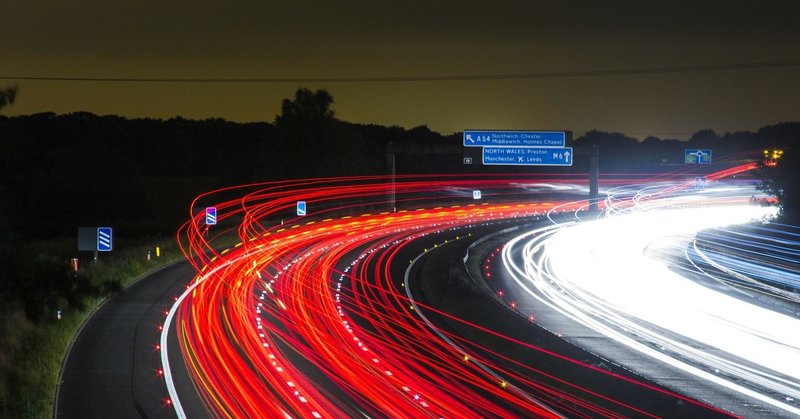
x,y
618,353
112,368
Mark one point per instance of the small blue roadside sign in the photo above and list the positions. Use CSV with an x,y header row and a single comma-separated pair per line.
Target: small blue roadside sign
x,y
700,182
105,239
211,216
301,208
695,156
514,139
476,194
527,156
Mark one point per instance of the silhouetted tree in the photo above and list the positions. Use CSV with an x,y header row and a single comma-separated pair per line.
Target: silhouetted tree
x,y
740,141
786,134
783,182
309,142
705,138
7,96
307,106
618,152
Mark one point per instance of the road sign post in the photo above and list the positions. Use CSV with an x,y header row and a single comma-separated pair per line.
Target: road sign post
x,y
594,177
105,238
528,156
87,239
477,138
700,182
697,156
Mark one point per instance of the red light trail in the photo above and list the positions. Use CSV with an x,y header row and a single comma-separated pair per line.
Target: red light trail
x,y
307,317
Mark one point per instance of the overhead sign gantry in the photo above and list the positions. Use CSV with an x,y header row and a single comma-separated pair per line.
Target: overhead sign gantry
x,y
521,148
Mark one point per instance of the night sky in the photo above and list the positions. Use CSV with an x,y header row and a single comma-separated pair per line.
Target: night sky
x,y
426,39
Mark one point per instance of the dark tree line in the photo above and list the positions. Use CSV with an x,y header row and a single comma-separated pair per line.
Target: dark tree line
x,y
60,172
620,153
64,171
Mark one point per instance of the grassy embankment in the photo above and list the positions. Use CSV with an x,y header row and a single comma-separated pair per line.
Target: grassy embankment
x,y
31,352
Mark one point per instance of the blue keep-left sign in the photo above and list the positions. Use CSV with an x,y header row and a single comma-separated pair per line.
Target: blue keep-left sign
x,y
211,216
105,239
301,208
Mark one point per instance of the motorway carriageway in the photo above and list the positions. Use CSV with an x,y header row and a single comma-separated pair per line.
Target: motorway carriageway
x,y
292,276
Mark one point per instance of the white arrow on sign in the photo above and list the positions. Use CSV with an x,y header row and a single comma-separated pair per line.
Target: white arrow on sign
x,y
469,138
566,155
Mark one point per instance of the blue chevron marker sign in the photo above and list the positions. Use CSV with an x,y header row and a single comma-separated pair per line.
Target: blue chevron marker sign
x,y
211,216
105,239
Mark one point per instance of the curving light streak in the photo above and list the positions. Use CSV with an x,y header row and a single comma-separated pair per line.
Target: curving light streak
x,y
618,276
760,260
306,316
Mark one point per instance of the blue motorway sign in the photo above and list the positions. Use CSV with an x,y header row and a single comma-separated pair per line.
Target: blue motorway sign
x,y
104,239
700,182
301,208
693,156
514,139
527,156
211,216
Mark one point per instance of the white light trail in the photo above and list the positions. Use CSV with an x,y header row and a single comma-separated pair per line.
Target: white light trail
x,y
612,276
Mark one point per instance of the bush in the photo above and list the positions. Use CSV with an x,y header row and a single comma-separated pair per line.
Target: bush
x,y
33,342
